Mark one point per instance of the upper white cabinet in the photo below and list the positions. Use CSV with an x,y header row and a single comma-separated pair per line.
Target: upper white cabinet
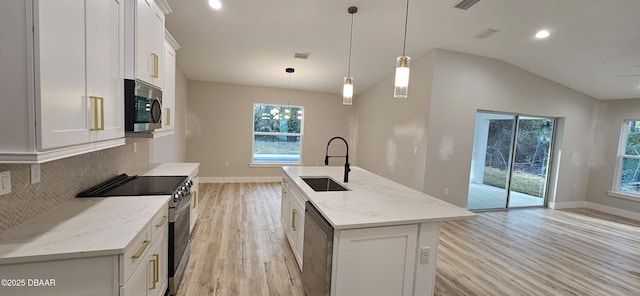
x,y
62,78
145,40
105,67
169,90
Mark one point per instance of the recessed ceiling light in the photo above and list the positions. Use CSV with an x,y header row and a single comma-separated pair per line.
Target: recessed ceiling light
x,y
542,34
215,4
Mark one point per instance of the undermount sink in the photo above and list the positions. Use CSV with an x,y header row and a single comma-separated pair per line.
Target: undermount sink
x,y
323,184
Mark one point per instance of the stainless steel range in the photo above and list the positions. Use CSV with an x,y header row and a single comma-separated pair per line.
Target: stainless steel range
x,y
179,187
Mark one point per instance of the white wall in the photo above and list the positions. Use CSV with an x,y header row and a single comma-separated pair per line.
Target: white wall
x,y
392,133
605,146
464,84
220,124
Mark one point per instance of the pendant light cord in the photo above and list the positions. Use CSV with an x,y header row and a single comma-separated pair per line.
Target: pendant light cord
x,y
406,20
350,43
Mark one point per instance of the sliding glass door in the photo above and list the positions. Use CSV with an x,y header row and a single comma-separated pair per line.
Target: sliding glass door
x,y
510,161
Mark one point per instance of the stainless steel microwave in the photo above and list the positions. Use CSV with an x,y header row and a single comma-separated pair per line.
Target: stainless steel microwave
x,y
143,106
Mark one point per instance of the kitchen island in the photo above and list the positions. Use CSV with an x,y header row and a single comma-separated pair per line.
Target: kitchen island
x,y
385,235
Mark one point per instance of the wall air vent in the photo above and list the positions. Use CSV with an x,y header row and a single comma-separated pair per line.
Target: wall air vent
x,y
486,33
466,4
301,55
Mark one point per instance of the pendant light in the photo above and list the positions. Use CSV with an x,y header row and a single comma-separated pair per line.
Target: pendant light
x,y
402,66
287,111
347,89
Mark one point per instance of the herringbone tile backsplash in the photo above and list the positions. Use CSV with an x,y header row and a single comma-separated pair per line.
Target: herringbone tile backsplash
x,y
62,179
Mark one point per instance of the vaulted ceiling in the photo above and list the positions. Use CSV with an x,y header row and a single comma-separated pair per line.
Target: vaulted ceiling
x,y
594,45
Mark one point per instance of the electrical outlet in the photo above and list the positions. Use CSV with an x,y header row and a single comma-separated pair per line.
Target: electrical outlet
x,y
135,147
446,191
424,255
226,163
5,182
450,153
35,173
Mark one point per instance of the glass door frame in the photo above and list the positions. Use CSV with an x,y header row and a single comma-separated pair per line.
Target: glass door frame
x,y
512,159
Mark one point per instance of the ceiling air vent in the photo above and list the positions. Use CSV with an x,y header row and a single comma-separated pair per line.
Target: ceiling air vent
x,y
301,55
466,4
486,33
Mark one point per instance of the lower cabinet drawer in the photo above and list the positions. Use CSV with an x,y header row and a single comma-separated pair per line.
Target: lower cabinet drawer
x,y
134,255
158,222
150,276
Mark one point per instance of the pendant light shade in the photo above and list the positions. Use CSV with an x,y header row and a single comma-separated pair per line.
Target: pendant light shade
x,y
401,89
402,78
347,89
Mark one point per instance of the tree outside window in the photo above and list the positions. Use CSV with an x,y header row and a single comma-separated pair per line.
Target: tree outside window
x,y
277,133
628,166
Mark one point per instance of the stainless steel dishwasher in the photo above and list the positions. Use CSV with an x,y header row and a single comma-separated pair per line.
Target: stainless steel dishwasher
x,y
317,253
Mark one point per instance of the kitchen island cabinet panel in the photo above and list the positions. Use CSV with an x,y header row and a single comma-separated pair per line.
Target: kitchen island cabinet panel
x,y
375,261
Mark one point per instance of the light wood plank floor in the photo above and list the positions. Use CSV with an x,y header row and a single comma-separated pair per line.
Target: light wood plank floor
x,y
239,248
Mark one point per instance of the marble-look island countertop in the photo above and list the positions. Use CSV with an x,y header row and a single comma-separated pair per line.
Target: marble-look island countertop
x,y
84,227
372,200
171,169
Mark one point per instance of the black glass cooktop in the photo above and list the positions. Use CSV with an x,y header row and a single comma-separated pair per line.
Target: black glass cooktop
x,y
124,185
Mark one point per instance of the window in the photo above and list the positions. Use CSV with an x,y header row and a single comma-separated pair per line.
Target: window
x,y
628,167
277,134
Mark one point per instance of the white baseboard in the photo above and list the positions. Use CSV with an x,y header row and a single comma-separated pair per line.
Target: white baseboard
x,y
568,205
240,179
614,211
597,207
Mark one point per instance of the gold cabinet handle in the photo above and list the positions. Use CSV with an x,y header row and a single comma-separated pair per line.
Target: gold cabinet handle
x,y
144,247
155,267
155,65
293,219
195,199
161,223
98,126
168,112
156,277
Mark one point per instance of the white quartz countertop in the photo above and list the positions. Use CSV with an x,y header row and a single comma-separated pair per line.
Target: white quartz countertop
x,y
84,227
172,169
372,200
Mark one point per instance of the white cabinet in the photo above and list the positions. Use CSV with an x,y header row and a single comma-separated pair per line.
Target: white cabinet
x,y
195,202
145,41
95,276
105,68
292,217
144,265
150,275
64,86
383,257
169,90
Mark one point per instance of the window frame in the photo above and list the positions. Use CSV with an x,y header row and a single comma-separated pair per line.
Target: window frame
x,y
620,157
254,163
